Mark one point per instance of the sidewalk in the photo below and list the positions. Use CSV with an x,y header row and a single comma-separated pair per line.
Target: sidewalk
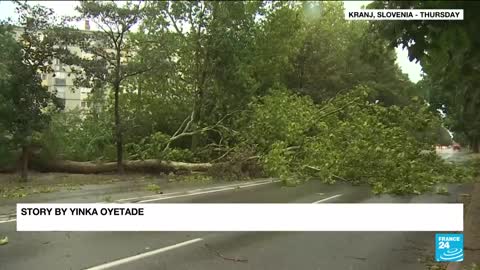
x,y
471,215
472,228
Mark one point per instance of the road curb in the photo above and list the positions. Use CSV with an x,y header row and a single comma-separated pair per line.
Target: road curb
x,y
8,217
466,200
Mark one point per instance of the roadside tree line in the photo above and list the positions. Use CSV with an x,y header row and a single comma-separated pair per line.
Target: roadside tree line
x,y
282,89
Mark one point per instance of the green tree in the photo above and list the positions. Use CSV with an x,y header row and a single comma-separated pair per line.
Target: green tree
x,y
278,42
447,52
26,104
337,55
105,54
73,135
210,57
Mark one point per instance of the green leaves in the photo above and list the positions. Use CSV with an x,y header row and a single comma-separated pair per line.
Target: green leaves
x,y
359,142
73,137
244,63
448,55
280,116
26,105
278,161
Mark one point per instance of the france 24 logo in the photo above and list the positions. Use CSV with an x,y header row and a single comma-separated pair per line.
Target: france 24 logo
x,y
449,247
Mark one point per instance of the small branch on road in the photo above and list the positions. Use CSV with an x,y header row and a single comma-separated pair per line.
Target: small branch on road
x,y
357,258
236,259
341,178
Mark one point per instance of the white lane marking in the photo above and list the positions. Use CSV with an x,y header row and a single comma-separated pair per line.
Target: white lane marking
x,y
143,255
6,221
204,192
329,198
148,196
218,188
164,249
267,181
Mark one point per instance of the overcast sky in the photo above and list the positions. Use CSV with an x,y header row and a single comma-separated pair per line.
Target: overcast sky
x,y
7,9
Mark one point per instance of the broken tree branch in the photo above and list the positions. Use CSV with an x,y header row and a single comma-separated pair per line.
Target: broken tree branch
x,y
339,109
183,130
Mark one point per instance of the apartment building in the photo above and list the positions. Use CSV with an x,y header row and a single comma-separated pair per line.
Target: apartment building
x,y
61,83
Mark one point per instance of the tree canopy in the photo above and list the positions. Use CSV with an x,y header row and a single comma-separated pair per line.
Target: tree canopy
x,y
278,89
447,52
26,105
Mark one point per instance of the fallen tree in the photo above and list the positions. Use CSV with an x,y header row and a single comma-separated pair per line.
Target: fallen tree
x,y
149,165
8,169
349,138
237,164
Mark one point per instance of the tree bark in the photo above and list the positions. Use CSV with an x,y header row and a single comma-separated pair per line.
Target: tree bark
x,y
198,108
475,145
201,75
149,165
196,124
118,131
24,164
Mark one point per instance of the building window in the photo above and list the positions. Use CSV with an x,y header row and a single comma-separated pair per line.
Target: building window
x,y
84,104
61,103
60,91
60,81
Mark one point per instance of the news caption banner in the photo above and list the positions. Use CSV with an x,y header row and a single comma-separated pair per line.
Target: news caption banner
x,y
240,217
404,14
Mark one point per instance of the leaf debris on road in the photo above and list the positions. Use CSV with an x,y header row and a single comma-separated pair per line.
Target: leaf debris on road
x,y
235,259
4,241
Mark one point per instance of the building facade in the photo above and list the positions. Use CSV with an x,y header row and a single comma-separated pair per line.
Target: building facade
x,y
61,83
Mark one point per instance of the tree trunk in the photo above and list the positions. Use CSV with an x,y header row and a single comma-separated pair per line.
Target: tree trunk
x,y
201,75
140,87
196,123
475,145
197,107
118,131
149,165
24,164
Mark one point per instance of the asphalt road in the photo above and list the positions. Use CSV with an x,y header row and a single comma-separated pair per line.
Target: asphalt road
x,y
227,250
